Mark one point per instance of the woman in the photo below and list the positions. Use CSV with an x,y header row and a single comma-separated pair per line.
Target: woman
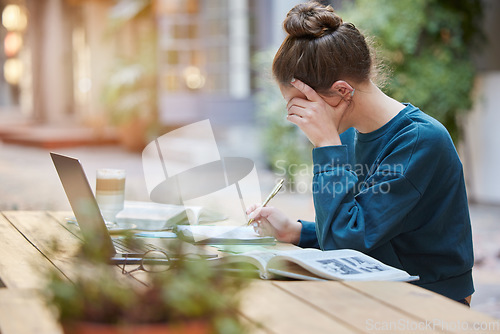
x,y
387,178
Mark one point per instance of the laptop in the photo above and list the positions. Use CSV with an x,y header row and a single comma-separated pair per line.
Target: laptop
x,y
89,218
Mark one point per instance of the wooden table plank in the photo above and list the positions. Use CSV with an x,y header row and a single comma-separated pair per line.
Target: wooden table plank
x,y
22,312
21,264
349,306
279,306
69,239
435,310
61,217
47,236
281,312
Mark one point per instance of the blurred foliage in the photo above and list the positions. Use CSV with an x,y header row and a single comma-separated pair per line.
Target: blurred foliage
x,y
284,143
131,91
191,290
428,46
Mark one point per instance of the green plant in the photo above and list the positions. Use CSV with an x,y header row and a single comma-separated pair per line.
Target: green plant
x,y
191,290
130,93
428,46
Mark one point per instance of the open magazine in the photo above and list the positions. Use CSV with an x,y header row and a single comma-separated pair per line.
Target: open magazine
x,y
314,264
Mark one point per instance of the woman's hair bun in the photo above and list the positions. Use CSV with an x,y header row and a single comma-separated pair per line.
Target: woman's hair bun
x,y
312,20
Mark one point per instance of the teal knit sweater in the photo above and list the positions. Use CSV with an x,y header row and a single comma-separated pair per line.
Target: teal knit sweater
x,y
397,194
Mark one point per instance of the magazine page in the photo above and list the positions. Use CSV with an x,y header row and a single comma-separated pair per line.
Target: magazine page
x,y
291,269
342,264
252,262
257,259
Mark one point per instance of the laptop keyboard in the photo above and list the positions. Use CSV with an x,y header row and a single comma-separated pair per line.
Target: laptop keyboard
x,y
122,247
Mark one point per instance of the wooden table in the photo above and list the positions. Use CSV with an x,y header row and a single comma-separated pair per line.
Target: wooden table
x,y
268,306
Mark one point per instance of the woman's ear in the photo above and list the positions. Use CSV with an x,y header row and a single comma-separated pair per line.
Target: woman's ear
x,y
343,88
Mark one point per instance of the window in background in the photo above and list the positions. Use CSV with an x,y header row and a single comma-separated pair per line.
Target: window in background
x,y
204,46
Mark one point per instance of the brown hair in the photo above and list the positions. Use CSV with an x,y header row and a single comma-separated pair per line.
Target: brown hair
x,y
321,49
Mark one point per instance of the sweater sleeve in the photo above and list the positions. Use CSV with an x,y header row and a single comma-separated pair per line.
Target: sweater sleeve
x,y
308,237
363,221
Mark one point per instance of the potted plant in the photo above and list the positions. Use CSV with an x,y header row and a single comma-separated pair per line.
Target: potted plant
x,y
190,297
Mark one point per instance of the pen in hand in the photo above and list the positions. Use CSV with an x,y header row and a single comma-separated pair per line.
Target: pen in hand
x,y
271,195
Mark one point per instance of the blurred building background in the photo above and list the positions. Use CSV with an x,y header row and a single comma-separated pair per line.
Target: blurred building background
x,y
82,76
97,66
58,55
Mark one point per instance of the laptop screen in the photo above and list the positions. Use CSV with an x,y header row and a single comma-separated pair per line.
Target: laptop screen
x,y
84,204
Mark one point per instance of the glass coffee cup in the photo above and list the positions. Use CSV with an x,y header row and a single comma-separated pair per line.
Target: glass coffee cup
x,y
110,193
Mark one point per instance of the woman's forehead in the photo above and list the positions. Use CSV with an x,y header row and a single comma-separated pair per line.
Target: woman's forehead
x,y
289,92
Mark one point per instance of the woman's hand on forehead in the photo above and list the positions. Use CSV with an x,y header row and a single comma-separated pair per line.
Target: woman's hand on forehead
x,y
313,115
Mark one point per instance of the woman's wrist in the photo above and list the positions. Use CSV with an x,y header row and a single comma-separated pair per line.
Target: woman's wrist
x,y
293,232
329,142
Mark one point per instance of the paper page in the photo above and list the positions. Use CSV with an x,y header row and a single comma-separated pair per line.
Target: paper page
x,y
219,232
344,265
240,249
149,215
295,271
157,216
258,259
202,215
